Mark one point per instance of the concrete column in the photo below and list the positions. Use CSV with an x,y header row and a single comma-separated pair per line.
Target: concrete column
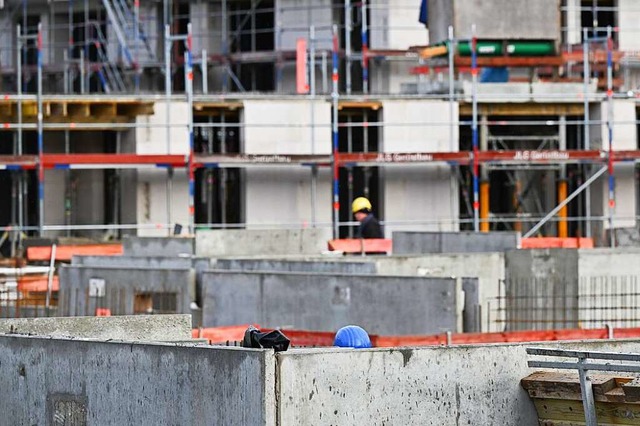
x,y
573,22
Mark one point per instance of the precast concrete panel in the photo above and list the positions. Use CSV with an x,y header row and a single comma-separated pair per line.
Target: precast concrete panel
x,y
439,386
284,127
487,267
394,25
157,246
294,17
326,302
495,20
150,328
283,196
84,289
295,266
151,201
261,242
110,383
407,242
628,17
541,289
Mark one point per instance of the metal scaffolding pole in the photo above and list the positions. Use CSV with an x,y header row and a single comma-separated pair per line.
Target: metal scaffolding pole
x,y
365,49
612,199
474,129
587,136
312,89
335,164
168,41
347,45
40,137
189,90
21,185
567,200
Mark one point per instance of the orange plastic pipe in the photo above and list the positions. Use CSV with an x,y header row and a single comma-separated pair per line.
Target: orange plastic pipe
x,y
563,230
484,206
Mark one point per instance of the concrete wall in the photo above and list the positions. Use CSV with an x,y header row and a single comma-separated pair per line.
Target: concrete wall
x,y
541,289
151,183
124,383
283,194
221,243
543,18
84,288
159,246
158,328
326,302
628,17
296,266
429,386
487,267
293,15
454,242
394,25
419,193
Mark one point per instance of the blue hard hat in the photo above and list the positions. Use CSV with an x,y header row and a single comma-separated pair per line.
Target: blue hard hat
x,y
352,336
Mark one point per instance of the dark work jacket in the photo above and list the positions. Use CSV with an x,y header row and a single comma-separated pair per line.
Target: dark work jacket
x,y
370,228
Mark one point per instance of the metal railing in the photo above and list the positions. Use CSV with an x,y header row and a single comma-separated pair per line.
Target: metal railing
x,y
586,362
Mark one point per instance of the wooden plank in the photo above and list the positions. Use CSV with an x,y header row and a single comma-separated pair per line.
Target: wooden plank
x,y
365,104
552,385
523,109
632,390
103,109
134,109
563,412
78,109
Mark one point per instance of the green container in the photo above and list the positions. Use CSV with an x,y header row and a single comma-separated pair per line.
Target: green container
x,y
530,48
484,48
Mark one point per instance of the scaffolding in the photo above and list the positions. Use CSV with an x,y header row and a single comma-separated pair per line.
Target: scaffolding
x,y
115,53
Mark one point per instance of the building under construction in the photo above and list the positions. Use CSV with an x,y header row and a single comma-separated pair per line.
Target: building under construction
x,y
131,117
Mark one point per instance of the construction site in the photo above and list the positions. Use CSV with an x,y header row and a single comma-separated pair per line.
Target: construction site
x,y
180,242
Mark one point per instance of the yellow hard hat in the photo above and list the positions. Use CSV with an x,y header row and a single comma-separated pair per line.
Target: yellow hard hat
x,y
360,204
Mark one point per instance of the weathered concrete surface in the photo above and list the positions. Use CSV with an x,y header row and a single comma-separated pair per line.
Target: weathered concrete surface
x,y
221,243
438,386
154,328
406,242
487,267
157,246
541,289
129,383
342,267
325,302
84,288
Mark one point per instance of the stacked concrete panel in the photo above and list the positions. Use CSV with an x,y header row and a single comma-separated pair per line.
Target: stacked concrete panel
x,y
322,266
141,328
324,302
256,242
157,246
454,242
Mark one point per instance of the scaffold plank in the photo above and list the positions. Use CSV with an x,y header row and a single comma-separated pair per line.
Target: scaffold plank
x,y
524,109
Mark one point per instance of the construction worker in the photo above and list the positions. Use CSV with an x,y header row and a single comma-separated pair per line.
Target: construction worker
x,y
369,225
